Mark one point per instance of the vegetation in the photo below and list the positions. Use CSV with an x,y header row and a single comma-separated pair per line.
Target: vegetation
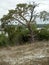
x,y
3,40
25,28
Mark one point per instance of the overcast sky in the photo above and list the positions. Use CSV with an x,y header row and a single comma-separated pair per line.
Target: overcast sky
x,y
6,5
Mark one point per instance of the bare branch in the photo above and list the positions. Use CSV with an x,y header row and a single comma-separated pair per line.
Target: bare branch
x,y
32,11
24,18
20,21
31,15
20,14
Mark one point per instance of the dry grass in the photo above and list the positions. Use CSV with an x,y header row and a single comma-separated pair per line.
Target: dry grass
x,y
4,63
36,53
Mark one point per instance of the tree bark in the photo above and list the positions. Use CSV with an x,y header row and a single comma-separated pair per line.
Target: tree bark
x,y
32,39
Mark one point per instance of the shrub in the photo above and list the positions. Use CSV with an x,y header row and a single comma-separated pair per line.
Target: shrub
x,y
22,35
3,40
43,34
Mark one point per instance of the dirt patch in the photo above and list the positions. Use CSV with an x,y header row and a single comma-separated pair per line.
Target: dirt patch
x,y
30,54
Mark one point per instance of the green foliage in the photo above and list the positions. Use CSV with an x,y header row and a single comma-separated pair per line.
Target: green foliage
x,y
11,30
22,35
17,34
3,40
43,34
34,27
44,15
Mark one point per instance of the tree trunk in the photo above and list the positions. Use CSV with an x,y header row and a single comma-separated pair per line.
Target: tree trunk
x,y
32,36
32,39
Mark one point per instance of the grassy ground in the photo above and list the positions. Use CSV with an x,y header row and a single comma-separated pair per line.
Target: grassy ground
x,y
30,54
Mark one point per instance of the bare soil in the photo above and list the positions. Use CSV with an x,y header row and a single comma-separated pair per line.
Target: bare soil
x,y
36,53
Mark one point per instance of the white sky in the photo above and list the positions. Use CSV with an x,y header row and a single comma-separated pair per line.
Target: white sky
x,y
6,5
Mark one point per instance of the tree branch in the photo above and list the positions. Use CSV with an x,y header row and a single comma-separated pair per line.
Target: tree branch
x,y
20,21
24,18
32,10
31,14
20,14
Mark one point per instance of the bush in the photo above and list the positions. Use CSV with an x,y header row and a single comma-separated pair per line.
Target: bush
x,y
22,35
43,34
3,40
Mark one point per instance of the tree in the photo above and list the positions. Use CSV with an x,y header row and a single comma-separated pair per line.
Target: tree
x,y
24,14
44,15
